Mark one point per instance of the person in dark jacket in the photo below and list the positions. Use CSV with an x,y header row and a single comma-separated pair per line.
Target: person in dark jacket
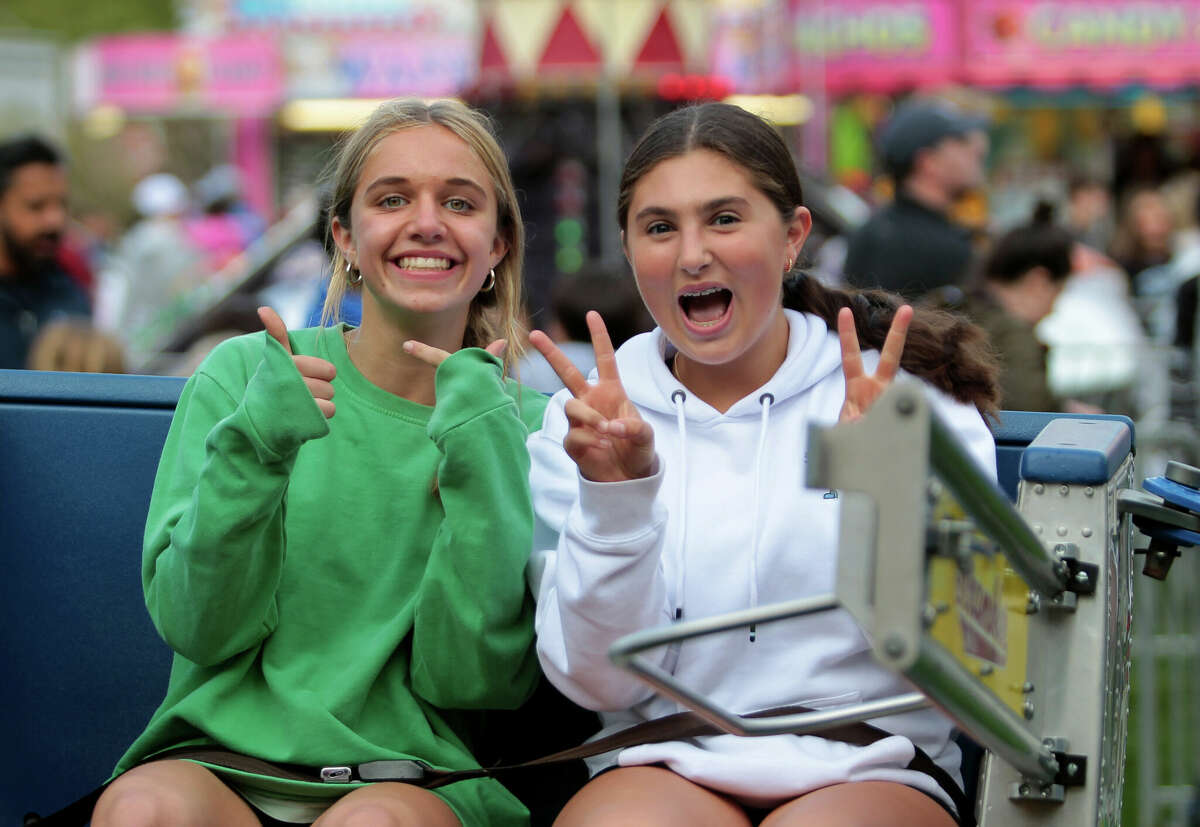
x,y
34,287
935,154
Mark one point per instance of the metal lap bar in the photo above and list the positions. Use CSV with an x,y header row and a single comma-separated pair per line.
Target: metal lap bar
x,y
980,712
919,521
993,513
888,458
625,652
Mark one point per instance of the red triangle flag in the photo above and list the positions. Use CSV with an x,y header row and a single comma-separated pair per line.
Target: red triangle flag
x,y
661,50
491,58
569,46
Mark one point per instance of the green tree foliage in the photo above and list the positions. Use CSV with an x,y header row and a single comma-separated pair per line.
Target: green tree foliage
x,y
75,20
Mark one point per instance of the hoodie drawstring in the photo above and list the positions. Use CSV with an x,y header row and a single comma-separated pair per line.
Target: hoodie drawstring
x,y
766,400
678,398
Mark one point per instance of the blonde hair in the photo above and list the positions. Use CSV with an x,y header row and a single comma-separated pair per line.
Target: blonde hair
x,y
74,345
494,314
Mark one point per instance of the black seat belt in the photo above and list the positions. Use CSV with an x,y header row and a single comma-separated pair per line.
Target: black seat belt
x,y
670,728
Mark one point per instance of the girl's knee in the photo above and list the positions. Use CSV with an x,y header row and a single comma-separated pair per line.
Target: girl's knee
x,y
373,814
388,805
171,793
635,796
862,804
134,804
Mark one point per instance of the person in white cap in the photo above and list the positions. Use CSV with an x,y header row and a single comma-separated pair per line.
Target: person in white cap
x,y
154,266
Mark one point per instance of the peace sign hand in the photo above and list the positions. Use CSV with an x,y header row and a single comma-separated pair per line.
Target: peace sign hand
x,y
607,438
318,373
863,390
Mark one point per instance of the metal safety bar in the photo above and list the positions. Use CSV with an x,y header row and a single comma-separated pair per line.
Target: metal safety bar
x,y
882,463
994,515
955,690
625,652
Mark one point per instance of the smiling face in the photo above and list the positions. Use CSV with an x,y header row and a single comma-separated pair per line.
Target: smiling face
x,y
422,228
709,250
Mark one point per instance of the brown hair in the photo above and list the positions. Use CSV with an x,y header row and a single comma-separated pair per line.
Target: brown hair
x,y
944,349
494,314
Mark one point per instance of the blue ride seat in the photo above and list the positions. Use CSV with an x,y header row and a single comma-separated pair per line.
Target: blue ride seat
x,y
1014,430
85,666
78,454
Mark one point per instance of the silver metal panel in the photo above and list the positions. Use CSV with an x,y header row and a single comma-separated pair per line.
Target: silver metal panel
x,y
1080,666
877,456
1074,682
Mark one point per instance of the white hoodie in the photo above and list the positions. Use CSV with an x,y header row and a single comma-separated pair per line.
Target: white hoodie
x,y
725,524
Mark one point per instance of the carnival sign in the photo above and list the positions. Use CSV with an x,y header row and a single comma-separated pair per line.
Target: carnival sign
x,y
1099,43
867,45
161,73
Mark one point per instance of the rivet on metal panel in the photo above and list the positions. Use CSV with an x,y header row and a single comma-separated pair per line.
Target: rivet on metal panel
x,y
894,646
1061,531
1037,528
934,490
929,615
1028,710
1089,492
1085,531
1039,489
1064,490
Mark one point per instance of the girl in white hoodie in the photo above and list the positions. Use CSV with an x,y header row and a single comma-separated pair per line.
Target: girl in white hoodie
x,y
671,486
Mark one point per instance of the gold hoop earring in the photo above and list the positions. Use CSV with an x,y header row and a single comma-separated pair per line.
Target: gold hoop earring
x,y
353,276
489,283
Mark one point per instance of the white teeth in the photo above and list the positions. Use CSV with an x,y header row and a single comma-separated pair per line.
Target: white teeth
x,y
423,263
708,291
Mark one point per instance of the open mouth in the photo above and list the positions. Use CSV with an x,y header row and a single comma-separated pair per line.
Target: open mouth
x,y
705,307
424,263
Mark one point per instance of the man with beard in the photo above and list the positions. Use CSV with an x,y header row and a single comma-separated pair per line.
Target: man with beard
x,y
34,289
935,155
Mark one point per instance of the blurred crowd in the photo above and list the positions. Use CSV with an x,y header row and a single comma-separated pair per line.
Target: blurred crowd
x,y
1074,297
1089,301
77,299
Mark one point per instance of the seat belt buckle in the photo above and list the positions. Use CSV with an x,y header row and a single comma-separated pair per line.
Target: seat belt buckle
x,y
409,770
336,775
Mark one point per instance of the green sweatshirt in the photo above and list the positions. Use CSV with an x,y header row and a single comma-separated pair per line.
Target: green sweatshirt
x,y
330,586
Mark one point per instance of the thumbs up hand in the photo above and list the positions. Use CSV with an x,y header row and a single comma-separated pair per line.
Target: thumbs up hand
x,y
317,373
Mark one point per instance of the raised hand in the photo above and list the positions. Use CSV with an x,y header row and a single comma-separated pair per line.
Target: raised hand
x,y
607,438
318,373
434,356
862,390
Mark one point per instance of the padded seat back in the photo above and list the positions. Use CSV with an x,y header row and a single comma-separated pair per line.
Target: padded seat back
x,y
85,667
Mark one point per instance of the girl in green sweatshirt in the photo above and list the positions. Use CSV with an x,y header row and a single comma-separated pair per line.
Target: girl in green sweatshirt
x,y
338,530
